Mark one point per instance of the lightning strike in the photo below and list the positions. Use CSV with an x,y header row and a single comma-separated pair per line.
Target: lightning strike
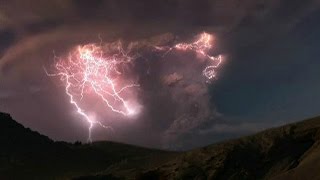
x,y
94,70
89,70
201,46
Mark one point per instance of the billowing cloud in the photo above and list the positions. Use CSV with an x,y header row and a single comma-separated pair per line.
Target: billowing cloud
x,y
172,79
175,96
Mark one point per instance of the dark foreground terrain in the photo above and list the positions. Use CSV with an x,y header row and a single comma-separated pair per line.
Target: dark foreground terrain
x,y
287,152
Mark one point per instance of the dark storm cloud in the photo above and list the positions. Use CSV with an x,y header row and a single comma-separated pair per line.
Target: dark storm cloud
x,y
7,38
178,101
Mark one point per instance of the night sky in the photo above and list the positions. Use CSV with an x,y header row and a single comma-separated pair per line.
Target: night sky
x,y
270,75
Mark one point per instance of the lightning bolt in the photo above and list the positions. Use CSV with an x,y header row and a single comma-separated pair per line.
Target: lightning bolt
x,y
88,69
101,71
201,46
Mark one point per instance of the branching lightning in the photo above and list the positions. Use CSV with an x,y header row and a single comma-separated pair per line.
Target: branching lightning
x,y
88,69
201,46
94,70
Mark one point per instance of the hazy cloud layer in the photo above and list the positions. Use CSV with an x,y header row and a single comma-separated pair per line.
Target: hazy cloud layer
x,y
179,108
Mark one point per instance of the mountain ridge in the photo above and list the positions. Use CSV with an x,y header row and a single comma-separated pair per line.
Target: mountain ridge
x,y
288,152
276,153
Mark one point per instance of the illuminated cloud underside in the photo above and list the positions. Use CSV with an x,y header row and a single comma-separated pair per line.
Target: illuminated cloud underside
x,y
102,71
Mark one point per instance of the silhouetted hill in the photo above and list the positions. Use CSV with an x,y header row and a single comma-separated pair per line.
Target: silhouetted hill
x,y
287,152
14,138
25,154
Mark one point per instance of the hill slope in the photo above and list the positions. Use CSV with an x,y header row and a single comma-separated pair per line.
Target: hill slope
x,y
287,152
27,154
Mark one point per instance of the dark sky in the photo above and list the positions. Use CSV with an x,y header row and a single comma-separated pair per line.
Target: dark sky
x,y
270,75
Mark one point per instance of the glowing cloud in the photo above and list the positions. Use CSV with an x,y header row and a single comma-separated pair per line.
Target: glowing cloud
x,y
89,70
201,46
102,71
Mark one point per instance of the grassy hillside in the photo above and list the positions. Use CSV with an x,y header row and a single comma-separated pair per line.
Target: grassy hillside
x,y
287,152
